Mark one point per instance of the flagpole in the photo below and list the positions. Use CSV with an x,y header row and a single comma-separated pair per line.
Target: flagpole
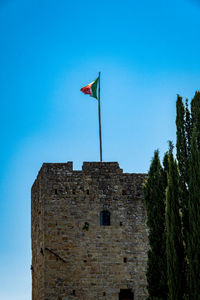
x,y
100,121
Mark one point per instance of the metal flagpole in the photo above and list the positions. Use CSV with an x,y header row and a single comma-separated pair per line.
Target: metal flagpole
x,y
100,121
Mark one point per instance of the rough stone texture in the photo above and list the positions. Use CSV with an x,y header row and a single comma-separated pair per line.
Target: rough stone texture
x,y
71,261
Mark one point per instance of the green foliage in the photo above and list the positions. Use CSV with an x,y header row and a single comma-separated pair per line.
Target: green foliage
x,y
174,244
181,144
194,202
188,130
154,194
166,168
194,221
183,128
195,112
181,228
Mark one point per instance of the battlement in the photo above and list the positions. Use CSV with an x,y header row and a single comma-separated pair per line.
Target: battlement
x,y
99,175
87,167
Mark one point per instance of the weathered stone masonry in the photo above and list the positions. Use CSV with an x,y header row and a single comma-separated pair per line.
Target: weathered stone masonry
x,y
73,256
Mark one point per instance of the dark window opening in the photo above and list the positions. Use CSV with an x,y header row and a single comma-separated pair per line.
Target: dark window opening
x,y
120,223
56,191
86,226
125,259
104,294
126,295
73,192
88,192
104,218
123,192
74,292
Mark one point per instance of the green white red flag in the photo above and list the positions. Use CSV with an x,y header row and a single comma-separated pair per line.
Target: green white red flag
x,y
91,89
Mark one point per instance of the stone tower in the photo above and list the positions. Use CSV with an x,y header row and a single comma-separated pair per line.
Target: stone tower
x,y
89,238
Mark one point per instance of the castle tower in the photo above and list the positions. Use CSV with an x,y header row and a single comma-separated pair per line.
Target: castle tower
x,y
89,238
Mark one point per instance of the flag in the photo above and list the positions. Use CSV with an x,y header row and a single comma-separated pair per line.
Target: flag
x,y
91,89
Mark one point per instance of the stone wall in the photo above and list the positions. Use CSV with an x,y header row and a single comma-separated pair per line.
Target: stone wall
x,y
73,256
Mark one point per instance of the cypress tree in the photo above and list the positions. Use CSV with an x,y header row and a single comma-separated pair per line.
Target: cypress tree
x,y
181,144
195,113
182,157
182,122
154,194
174,245
165,168
194,217
188,131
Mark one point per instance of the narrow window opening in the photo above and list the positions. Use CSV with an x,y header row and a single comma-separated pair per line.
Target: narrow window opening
x,y
104,293
125,259
56,192
121,223
74,292
73,192
123,192
105,218
88,192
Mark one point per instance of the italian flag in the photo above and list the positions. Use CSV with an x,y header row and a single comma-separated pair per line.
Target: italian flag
x,y
91,89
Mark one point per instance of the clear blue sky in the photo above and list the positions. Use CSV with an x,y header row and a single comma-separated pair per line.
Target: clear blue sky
x,y
147,51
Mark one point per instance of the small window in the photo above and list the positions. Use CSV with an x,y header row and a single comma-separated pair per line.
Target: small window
x,y
124,192
104,218
125,259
